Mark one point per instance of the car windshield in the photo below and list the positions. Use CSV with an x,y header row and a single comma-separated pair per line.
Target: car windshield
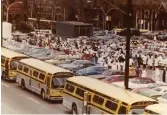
x,y
58,82
76,62
157,89
137,111
107,73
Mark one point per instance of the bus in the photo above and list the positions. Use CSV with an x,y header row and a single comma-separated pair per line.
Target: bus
x,y
158,109
9,60
85,95
42,78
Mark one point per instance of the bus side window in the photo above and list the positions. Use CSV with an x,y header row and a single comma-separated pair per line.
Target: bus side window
x,y
26,69
122,110
70,88
41,76
80,92
35,74
3,60
111,105
20,67
98,100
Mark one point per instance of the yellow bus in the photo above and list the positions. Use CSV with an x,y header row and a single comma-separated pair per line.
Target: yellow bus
x,y
42,78
9,59
84,95
158,109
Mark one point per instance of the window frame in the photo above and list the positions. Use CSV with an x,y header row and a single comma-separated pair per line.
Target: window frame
x,y
98,97
79,92
111,102
41,74
24,69
120,109
34,75
66,88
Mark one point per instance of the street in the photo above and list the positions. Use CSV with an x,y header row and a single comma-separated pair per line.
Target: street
x,y
17,101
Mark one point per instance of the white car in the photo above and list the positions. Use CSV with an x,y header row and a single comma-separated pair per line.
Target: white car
x,y
163,98
160,90
135,83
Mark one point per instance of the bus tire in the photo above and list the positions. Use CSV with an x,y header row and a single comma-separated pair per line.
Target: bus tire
x,y
43,94
74,109
23,84
3,76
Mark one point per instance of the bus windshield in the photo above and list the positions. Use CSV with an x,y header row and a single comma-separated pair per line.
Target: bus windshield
x,y
58,82
13,65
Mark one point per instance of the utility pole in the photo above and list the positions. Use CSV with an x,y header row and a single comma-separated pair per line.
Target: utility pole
x,y
129,12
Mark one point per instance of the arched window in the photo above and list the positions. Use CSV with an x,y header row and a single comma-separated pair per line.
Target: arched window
x,y
146,13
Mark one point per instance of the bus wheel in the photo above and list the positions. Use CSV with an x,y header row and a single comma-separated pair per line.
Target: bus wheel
x,y
3,75
22,84
43,94
74,109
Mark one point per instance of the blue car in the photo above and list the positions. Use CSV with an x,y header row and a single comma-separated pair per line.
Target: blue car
x,y
93,70
77,64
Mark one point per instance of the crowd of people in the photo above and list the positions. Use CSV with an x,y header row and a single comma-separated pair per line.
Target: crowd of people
x,y
108,53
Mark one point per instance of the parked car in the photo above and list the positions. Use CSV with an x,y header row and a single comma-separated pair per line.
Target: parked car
x,y
110,73
114,78
148,93
163,98
61,59
93,70
160,90
77,64
139,82
154,85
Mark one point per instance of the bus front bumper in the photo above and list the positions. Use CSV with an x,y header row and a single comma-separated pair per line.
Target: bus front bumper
x,y
55,98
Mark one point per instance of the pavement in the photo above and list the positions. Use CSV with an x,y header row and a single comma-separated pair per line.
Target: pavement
x,y
14,100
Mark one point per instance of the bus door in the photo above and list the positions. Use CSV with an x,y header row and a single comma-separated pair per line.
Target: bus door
x,y
86,101
48,82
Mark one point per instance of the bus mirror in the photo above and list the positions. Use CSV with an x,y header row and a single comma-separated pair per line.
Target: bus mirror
x,y
85,98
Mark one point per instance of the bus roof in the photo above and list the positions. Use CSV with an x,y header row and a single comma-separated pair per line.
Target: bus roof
x,y
11,54
158,108
41,65
126,96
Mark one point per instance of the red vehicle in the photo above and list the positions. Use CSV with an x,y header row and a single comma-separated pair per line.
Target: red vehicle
x,y
114,78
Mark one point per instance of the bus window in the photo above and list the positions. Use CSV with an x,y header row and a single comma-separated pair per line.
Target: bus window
x,y
35,74
26,69
3,60
122,110
98,100
41,76
20,67
70,88
111,105
80,92
58,82
13,65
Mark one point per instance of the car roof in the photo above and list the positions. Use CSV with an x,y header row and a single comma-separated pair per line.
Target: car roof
x,y
158,108
162,87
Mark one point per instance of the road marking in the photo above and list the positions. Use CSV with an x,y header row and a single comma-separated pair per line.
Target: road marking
x,y
4,84
32,99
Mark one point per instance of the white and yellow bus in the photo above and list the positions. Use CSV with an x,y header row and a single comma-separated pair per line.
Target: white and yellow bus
x,y
158,109
42,78
8,63
84,95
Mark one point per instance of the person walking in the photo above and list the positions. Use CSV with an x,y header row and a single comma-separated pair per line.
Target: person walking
x,y
156,74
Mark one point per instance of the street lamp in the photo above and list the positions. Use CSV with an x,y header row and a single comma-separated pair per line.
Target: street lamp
x,y
105,15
